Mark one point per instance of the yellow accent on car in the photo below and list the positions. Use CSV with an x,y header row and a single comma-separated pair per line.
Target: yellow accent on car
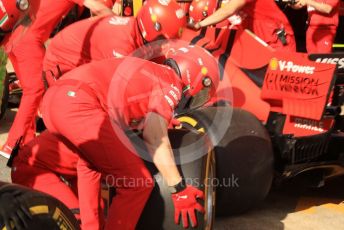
x,y
338,45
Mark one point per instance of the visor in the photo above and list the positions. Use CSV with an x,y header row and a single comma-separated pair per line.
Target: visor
x,y
200,98
189,102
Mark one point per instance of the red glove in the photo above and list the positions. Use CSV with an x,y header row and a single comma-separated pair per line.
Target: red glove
x,y
185,203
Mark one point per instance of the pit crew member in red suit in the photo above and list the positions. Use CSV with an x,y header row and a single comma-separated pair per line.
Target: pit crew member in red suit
x,y
262,17
14,214
100,38
323,17
25,49
109,105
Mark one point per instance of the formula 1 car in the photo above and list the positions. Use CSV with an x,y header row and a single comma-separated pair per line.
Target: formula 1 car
x,y
277,115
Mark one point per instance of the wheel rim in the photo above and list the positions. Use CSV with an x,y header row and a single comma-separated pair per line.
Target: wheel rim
x,y
209,203
209,192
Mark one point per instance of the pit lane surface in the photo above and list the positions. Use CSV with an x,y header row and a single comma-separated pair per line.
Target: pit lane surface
x,y
291,206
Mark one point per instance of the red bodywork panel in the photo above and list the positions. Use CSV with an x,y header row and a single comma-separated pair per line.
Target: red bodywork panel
x,y
295,86
249,51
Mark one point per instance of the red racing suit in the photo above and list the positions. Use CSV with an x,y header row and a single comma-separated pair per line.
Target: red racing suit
x,y
25,48
266,20
92,113
322,28
89,40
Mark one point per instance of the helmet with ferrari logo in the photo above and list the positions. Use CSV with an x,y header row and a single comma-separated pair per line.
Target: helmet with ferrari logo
x,y
13,11
199,72
200,9
161,19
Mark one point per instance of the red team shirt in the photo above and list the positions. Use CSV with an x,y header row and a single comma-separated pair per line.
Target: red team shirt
x,y
263,9
264,17
130,93
92,39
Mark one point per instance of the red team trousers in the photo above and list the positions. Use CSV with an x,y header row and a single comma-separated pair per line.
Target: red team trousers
x,y
41,162
320,38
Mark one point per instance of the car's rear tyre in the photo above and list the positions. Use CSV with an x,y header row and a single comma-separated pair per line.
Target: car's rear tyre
x,y
159,210
244,156
47,212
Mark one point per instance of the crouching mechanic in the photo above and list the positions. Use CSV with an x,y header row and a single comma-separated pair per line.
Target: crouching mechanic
x,y
100,38
92,106
14,214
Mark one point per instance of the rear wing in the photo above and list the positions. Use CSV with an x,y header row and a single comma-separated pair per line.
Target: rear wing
x,y
296,86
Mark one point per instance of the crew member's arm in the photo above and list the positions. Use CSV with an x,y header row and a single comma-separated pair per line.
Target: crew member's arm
x,y
318,6
158,144
185,197
97,7
228,10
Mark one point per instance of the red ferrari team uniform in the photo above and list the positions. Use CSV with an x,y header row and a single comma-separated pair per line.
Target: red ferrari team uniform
x,y
322,28
268,22
25,48
39,161
93,113
89,40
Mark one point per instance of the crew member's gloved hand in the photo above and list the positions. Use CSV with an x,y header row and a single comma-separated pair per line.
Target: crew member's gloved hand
x,y
185,204
13,211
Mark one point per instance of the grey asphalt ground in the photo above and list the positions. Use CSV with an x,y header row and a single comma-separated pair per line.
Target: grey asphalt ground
x,y
291,206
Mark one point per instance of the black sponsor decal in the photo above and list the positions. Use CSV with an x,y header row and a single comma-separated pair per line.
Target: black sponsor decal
x,y
293,84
